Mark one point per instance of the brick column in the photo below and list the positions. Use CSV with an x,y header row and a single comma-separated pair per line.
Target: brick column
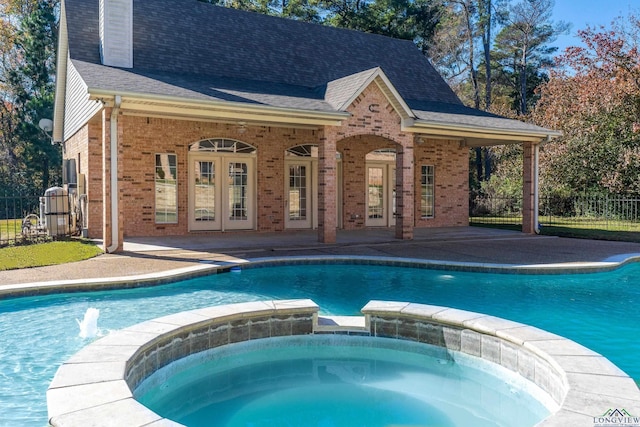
x,y
405,197
327,188
529,216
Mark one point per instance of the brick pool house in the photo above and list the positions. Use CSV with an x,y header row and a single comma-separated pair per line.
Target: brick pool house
x,y
180,117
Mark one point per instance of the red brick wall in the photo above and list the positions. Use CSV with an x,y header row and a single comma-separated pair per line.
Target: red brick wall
x,y
451,169
145,137
86,147
364,132
374,124
380,129
354,183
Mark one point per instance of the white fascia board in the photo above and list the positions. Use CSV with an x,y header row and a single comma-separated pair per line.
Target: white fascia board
x,y
395,99
167,105
358,91
480,132
61,77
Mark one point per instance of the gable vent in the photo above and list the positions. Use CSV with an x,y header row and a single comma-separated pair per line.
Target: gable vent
x,y
116,33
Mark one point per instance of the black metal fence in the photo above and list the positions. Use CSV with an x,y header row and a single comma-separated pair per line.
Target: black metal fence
x,y
497,210
34,217
609,212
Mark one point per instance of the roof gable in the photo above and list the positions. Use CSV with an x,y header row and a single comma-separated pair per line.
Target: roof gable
x,y
341,93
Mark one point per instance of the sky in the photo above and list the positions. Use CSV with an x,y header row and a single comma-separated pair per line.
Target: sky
x,y
581,13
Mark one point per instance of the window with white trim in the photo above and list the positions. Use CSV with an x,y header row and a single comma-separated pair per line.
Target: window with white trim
x,y
166,185
427,188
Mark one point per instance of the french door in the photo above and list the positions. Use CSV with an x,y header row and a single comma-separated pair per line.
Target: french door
x,y
301,194
380,197
221,192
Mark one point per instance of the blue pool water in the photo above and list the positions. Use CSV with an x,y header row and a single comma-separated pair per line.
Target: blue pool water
x,y
37,334
339,381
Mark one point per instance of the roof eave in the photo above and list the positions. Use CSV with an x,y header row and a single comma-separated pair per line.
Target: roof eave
x,y
491,135
171,106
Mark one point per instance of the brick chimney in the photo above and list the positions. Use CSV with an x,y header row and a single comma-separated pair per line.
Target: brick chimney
x,y
116,33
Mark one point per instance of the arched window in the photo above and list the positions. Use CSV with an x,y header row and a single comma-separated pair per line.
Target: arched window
x,y
384,154
222,145
304,150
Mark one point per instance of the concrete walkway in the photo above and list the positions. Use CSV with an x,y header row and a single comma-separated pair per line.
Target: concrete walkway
x,y
460,244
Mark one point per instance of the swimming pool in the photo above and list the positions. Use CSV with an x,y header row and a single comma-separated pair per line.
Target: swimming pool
x,y
597,310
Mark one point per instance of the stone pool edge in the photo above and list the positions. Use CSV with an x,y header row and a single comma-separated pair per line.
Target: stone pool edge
x,y
95,386
208,268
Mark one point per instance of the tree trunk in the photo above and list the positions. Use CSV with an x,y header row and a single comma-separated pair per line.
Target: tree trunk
x,y
486,45
488,166
472,65
523,81
479,164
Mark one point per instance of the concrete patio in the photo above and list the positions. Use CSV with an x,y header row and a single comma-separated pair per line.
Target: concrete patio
x,y
460,244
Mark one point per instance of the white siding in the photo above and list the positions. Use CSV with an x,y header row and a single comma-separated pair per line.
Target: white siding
x,y
116,33
78,108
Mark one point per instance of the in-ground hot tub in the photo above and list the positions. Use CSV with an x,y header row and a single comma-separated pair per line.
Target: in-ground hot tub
x,y
97,383
340,380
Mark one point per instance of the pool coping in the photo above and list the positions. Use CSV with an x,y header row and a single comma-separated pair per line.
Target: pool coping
x,y
97,384
207,267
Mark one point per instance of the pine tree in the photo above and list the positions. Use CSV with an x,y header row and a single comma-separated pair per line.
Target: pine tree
x,y
29,94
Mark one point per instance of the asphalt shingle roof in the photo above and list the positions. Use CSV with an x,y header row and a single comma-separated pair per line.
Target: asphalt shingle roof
x,y
438,112
195,87
191,38
194,50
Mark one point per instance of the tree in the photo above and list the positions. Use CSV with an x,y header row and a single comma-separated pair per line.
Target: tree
x,y
28,34
403,19
594,98
521,47
27,80
301,10
463,53
485,22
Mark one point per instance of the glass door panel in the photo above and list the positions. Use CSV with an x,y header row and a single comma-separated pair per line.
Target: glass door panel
x,y
298,202
297,193
392,178
375,196
203,207
239,191
238,186
381,195
205,185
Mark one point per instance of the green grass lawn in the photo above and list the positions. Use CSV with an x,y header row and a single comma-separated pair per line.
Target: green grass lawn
x,y
50,253
9,228
582,228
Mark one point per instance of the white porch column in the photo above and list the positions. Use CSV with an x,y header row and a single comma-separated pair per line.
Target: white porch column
x,y
112,219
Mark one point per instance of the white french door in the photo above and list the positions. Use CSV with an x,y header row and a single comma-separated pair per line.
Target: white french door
x,y
300,194
381,200
221,192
